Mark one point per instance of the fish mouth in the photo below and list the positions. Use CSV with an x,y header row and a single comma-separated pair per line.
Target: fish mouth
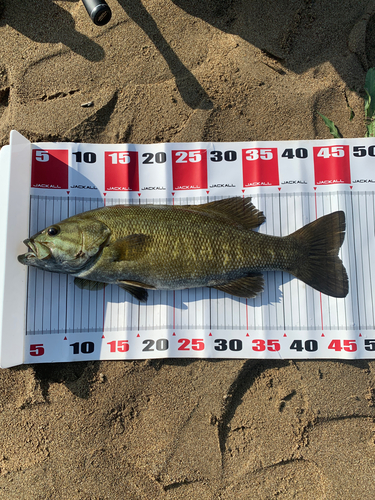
x,y
35,250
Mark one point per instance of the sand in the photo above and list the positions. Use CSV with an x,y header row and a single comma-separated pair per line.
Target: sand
x,y
186,70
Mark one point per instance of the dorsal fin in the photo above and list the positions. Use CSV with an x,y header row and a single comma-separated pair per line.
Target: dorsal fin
x,y
238,210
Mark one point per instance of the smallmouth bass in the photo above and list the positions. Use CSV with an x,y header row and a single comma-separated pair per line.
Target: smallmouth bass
x,y
164,247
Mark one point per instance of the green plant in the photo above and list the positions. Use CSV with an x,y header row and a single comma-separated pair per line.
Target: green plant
x,y
370,102
331,126
369,109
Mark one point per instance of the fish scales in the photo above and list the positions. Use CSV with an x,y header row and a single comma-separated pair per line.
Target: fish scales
x,y
188,248
174,247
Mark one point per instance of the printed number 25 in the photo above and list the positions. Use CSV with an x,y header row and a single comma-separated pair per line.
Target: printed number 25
x,y
191,156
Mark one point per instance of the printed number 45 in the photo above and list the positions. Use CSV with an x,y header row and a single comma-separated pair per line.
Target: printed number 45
x,y
335,151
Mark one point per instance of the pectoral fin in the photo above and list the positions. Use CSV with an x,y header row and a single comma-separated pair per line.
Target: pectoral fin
x,y
89,285
247,287
131,247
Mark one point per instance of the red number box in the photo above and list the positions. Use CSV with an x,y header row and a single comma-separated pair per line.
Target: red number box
x,y
332,165
189,169
50,169
121,171
260,167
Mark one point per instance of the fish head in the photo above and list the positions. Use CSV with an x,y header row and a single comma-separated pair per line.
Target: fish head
x,y
67,247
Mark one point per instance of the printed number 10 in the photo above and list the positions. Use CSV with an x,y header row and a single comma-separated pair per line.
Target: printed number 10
x,y
86,347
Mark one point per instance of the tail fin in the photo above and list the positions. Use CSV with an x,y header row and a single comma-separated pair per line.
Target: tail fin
x,y
320,267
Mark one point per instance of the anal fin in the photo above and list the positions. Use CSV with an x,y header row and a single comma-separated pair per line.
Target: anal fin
x,y
138,290
247,287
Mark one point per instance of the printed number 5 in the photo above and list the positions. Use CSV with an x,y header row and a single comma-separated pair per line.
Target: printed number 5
x,y
36,350
42,156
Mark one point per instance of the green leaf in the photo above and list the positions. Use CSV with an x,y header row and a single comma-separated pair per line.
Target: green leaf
x,y
367,105
331,126
370,91
370,129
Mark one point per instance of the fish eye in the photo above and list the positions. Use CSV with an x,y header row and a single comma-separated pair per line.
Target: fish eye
x,y
53,231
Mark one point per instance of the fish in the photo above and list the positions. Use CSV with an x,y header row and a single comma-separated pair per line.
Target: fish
x,y
173,247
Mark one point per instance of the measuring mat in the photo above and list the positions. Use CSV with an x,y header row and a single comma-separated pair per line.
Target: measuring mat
x,y
46,318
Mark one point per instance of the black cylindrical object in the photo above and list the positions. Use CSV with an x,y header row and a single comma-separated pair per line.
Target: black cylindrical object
x,y
98,10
